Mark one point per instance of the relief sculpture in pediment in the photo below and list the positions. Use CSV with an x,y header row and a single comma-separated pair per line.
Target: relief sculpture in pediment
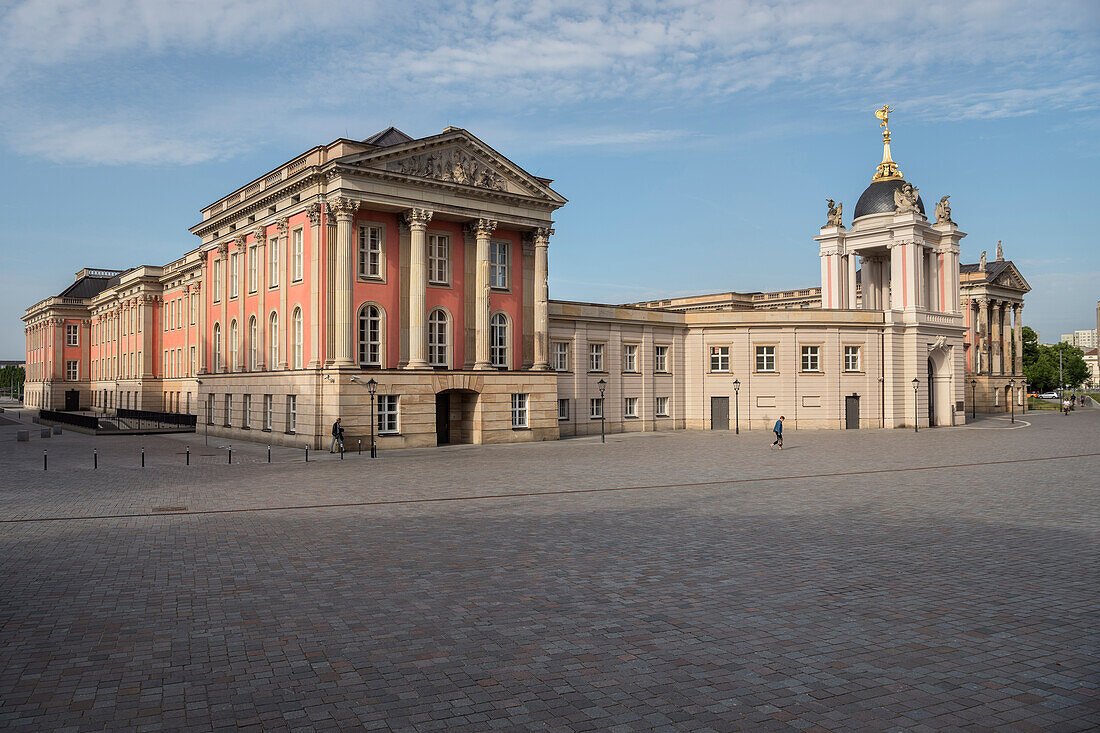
x,y
454,166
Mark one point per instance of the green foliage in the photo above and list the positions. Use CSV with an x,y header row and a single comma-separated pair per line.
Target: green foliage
x,y
1041,364
11,378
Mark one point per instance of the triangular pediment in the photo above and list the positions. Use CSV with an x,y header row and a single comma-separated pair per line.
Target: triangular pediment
x,y
1010,277
458,158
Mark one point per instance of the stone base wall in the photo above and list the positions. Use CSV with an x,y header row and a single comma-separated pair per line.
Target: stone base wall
x,y
988,394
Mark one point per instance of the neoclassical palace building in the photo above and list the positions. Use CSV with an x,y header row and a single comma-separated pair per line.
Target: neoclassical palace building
x,y
422,264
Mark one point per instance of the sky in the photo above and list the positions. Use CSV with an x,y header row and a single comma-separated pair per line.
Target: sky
x,y
696,140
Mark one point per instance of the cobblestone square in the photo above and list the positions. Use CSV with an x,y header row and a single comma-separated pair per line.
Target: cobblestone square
x,y
879,580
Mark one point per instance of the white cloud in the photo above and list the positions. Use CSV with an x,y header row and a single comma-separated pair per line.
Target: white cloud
x,y
115,143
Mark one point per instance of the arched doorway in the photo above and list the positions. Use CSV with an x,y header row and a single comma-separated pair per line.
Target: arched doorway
x,y
939,387
1008,398
454,417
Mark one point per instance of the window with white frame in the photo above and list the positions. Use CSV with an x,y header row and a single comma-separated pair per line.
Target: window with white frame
x,y
217,346
228,410
387,413
498,340
273,262
194,307
72,370
296,255
231,346
218,279
370,336
370,251
851,359
563,409
210,409
595,408
72,334
252,269
595,357
630,357
253,339
719,358
630,407
234,274
498,265
561,356
811,358
269,410
660,358
291,413
662,407
194,368
437,338
519,410
439,259
765,358
273,341
296,338
246,410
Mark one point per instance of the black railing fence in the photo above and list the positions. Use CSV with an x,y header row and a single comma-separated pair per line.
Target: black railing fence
x,y
70,418
161,418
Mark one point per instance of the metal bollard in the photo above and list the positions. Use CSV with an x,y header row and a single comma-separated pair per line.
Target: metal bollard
x,y
230,455
359,452
307,454
143,456
95,458
44,459
269,454
341,453
188,455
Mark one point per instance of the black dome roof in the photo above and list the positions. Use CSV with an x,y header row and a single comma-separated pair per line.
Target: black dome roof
x,y
879,198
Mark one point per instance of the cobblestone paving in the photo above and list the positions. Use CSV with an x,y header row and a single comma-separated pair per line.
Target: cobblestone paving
x,y
692,581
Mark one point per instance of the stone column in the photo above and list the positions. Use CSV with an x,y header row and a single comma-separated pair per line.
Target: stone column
x,y
850,261
984,358
1018,337
997,315
201,337
317,293
344,209
242,293
283,226
485,228
417,220
261,289
542,299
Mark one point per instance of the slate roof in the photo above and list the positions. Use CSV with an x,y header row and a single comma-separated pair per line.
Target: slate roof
x,y
88,287
992,269
390,136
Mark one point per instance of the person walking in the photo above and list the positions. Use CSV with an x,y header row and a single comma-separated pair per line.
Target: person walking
x,y
778,430
337,437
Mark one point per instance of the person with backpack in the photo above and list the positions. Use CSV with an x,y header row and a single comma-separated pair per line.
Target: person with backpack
x,y
337,437
778,430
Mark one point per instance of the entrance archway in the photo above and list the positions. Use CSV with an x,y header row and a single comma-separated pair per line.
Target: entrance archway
x,y
454,417
939,387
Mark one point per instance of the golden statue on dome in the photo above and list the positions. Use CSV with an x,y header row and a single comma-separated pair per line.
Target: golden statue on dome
x,y
887,169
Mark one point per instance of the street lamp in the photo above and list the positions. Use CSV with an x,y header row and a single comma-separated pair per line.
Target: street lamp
x,y
916,427
372,387
603,411
737,407
1012,398
973,399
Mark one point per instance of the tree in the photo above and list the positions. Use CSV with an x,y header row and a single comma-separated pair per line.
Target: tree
x,y
1041,364
11,380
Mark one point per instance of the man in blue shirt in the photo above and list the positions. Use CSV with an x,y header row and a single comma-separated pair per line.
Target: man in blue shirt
x,y
778,430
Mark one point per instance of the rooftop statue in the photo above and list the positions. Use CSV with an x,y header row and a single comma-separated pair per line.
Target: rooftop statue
x,y
943,211
835,215
1000,252
981,262
905,199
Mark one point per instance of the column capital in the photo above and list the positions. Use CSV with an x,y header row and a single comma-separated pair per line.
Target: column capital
x,y
542,236
239,241
342,207
982,301
282,225
259,234
418,218
223,249
485,227
1017,308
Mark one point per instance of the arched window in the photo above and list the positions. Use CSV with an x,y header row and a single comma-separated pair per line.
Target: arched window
x,y
498,340
437,338
296,338
231,347
370,336
273,341
217,346
252,339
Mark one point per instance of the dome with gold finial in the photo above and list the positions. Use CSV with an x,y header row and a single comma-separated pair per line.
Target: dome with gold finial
x,y
878,198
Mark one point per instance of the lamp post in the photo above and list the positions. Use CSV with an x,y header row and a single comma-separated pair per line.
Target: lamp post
x,y
603,411
372,387
916,427
973,399
1012,398
737,407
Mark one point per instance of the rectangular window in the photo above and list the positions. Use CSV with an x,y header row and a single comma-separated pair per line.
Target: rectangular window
x,y
630,407
387,413
194,307
662,407
561,356
765,358
268,411
851,359
595,357
719,358
296,255
193,370
519,410
660,359
291,413
370,252
210,409
273,262
811,358
218,280
164,365
72,334
595,408
498,265
246,408
439,249
234,275
72,370
563,409
630,358
228,410
252,269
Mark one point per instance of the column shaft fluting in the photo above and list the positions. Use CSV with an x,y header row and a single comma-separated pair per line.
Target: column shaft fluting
x,y
484,230
344,210
417,220
542,299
